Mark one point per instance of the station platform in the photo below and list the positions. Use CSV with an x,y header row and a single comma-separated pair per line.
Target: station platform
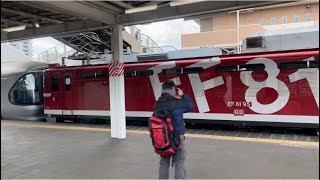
x,y
40,150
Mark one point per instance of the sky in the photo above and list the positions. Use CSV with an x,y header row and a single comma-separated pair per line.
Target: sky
x,y
166,33
42,44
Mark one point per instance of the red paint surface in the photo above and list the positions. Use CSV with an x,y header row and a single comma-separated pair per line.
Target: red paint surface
x,y
93,94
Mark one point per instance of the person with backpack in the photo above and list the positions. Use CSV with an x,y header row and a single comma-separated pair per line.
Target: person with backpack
x,y
167,128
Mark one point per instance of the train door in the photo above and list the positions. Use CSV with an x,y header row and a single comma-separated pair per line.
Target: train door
x,y
54,100
67,94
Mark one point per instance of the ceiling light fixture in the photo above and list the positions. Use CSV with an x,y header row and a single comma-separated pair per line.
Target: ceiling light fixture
x,y
16,28
180,3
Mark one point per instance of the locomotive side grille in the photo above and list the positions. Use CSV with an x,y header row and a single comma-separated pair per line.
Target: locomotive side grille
x,y
298,65
195,70
255,42
242,67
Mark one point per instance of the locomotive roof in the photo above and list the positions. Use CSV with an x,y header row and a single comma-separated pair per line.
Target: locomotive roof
x,y
19,67
282,40
233,56
170,55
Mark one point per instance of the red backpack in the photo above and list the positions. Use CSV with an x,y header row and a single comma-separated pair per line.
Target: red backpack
x,y
165,139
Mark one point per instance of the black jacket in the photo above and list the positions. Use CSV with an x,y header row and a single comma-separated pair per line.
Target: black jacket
x,y
177,106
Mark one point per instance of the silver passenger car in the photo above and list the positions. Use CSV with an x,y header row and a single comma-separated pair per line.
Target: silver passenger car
x,y
21,90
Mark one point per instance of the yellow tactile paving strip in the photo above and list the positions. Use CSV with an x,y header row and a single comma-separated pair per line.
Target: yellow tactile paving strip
x,y
233,138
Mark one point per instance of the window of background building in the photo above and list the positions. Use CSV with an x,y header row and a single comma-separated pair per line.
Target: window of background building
x,y
295,18
308,17
206,24
261,21
284,19
273,20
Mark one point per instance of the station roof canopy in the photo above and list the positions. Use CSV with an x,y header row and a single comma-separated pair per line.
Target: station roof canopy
x,y
32,19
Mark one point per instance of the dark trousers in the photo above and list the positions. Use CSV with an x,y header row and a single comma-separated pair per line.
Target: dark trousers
x,y
179,158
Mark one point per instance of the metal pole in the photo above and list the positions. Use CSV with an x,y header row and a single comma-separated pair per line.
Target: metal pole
x,y
63,61
88,59
55,52
238,26
116,86
64,49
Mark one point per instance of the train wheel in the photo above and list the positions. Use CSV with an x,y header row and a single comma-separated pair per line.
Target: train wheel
x,y
190,124
59,119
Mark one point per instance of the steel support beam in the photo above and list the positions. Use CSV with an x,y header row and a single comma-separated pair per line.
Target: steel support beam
x,y
25,14
150,3
109,6
103,6
122,4
16,22
116,85
82,9
46,7
54,30
4,35
163,13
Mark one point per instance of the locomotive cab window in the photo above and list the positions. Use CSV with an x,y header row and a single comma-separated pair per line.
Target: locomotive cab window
x,y
243,67
27,90
54,83
195,70
67,83
299,65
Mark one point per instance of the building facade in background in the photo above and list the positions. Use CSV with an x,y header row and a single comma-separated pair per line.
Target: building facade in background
x,y
221,30
16,51
24,46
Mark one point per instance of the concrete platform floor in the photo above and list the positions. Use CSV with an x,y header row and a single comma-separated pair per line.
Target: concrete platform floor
x,y
41,150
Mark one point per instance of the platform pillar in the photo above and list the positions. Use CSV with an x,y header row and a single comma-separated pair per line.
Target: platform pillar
x,y
116,85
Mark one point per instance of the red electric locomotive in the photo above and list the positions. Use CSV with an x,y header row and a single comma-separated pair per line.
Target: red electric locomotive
x,y
278,88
